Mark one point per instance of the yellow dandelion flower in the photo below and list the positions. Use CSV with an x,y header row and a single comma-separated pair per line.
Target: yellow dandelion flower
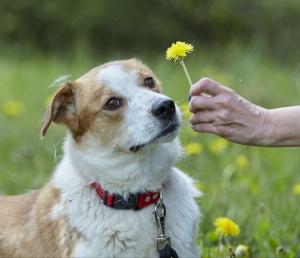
x,y
179,50
242,251
242,161
218,145
186,110
296,189
226,227
193,148
12,108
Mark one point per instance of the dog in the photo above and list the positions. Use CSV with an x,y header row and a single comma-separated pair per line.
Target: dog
x,y
118,164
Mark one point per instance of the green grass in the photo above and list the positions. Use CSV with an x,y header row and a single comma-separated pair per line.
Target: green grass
x,y
258,197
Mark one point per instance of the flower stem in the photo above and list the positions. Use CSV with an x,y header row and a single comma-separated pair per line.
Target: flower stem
x,y
186,73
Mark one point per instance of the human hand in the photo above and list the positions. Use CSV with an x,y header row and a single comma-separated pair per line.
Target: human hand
x,y
220,110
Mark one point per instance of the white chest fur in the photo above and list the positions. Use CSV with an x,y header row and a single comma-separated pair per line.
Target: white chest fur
x,y
107,232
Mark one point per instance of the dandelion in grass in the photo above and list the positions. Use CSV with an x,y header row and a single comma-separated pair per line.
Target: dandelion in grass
x,y
12,108
242,161
177,52
296,189
226,227
193,148
218,145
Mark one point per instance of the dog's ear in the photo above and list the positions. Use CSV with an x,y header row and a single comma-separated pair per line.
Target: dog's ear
x,y
62,109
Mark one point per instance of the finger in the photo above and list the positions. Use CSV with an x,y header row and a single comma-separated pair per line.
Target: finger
x,y
206,85
204,128
203,117
201,103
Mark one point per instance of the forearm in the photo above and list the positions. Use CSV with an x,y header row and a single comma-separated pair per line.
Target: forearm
x,y
281,128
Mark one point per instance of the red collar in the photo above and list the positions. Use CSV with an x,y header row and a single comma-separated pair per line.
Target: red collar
x,y
135,201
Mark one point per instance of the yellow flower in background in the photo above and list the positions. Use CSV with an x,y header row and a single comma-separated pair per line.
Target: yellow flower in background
x,y
218,145
186,110
12,108
178,50
242,251
242,161
226,227
193,148
296,189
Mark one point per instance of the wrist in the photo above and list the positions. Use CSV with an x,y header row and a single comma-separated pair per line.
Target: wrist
x,y
275,130
284,127
264,133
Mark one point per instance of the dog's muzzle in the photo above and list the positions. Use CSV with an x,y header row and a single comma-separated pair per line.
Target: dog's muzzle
x,y
165,111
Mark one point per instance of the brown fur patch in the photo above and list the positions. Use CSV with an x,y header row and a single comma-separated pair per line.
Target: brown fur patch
x,y
62,109
27,229
91,115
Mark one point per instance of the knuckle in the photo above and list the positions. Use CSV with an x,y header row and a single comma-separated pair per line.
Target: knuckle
x,y
201,118
193,119
196,118
229,90
227,100
205,81
192,104
198,86
195,102
194,87
224,114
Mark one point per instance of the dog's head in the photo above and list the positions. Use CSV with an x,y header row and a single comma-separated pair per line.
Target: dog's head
x,y
117,108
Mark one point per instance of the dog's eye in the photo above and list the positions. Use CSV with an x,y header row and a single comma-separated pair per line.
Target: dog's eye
x,y
113,104
149,82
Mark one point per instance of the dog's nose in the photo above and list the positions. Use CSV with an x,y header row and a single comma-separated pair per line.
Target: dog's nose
x,y
164,109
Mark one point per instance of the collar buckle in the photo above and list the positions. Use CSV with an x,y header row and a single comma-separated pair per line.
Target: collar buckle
x,y
130,203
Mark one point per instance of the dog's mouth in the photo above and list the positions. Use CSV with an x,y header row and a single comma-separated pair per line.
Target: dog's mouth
x,y
171,128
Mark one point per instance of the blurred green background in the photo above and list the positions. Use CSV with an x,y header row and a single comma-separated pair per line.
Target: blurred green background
x,y
252,46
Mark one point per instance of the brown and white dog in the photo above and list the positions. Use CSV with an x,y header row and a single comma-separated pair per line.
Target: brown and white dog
x,y
119,153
